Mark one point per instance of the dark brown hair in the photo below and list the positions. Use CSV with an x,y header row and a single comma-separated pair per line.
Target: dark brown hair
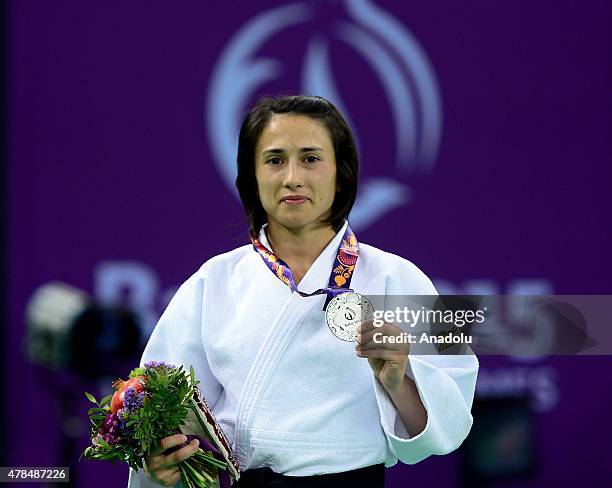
x,y
347,161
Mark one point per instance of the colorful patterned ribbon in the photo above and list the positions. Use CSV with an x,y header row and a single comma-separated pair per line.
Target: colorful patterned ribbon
x,y
341,274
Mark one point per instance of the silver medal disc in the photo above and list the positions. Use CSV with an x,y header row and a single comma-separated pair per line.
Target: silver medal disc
x,y
346,312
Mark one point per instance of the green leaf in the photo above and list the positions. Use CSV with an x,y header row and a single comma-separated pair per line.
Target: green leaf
x,y
137,372
103,443
97,410
106,399
91,398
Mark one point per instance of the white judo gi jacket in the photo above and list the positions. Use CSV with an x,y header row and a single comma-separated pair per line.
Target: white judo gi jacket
x,y
289,394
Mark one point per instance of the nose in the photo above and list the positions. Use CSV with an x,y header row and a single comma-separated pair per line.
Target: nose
x,y
293,175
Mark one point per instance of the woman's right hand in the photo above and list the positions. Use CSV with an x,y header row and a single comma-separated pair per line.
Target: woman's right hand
x,y
163,469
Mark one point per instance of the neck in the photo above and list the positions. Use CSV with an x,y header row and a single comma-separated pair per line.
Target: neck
x,y
299,248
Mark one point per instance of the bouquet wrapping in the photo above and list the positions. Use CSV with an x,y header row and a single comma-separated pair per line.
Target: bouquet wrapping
x,y
157,401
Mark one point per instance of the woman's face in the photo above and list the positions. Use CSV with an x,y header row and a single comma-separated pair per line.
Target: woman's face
x,y
295,168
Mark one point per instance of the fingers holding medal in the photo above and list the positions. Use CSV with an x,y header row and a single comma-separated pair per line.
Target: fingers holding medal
x,y
386,352
385,341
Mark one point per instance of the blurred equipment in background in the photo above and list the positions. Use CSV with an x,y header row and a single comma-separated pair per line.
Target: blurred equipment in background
x,y
501,445
68,331
76,342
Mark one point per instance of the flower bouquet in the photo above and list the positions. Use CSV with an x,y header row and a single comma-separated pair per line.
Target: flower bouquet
x,y
157,401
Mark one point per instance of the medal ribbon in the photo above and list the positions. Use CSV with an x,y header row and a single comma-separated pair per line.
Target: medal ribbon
x,y
341,274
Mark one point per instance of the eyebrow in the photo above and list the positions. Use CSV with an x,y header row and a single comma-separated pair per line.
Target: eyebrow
x,y
282,151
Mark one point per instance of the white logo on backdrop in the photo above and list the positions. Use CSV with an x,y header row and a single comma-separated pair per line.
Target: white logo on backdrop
x,y
385,44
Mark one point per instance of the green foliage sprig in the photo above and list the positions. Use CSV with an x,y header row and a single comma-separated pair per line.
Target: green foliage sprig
x,y
152,404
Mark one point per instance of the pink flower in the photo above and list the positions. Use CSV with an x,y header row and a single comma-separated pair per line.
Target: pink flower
x,y
109,430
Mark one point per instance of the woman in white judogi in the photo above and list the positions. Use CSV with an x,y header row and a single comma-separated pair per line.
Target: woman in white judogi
x,y
302,405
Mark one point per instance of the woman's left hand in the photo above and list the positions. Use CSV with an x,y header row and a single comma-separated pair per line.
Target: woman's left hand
x,y
387,359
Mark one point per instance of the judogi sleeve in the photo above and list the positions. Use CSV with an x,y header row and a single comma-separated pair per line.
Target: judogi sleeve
x,y
177,339
445,384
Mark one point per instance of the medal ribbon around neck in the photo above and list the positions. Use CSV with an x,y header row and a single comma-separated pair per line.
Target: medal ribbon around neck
x,y
341,274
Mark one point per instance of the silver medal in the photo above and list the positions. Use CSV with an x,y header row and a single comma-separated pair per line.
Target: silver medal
x,y
346,312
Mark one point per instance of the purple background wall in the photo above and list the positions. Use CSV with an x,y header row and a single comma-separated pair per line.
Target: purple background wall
x,y
109,160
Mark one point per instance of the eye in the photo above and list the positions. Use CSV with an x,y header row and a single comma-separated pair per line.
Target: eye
x,y
311,159
275,160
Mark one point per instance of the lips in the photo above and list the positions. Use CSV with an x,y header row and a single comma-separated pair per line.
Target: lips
x,y
294,199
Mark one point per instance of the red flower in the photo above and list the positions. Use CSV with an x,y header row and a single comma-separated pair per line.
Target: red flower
x,y
137,382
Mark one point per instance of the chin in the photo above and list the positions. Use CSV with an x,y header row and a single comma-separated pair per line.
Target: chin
x,y
294,221
296,218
